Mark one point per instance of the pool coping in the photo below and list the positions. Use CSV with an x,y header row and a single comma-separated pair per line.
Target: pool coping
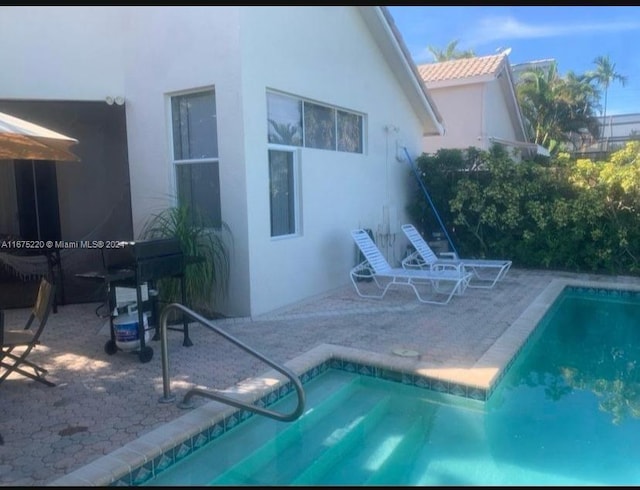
x,y
137,461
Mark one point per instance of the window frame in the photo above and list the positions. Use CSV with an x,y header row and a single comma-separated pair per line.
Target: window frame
x,y
297,207
175,162
336,110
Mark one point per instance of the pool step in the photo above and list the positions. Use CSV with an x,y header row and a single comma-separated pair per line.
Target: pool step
x,y
345,442
401,463
271,446
388,444
305,440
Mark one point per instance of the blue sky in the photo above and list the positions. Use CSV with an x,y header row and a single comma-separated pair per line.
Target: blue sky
x,y
573,36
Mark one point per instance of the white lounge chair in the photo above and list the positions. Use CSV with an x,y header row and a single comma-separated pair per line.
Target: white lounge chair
x,y
442,283
485,273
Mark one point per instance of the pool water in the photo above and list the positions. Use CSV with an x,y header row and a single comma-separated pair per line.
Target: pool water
x,y
566,413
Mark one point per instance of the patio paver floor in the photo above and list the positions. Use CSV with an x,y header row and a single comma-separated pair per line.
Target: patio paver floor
x,y
102,402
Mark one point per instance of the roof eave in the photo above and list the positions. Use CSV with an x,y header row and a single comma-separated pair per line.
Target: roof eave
x,y
531,148
389,39
514,105
457,82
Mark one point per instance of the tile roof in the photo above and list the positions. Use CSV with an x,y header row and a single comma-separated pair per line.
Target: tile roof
x,y
462,68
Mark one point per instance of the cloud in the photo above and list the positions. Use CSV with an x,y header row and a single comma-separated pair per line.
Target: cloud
x,y
490,29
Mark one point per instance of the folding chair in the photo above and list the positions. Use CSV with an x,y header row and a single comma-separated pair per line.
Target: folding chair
x,y
17,344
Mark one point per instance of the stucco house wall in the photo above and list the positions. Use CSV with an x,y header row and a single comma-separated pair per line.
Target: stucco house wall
x,y
58,53
499,121
473,113
476,97
66,54
323,54
203,53
463,109
339,190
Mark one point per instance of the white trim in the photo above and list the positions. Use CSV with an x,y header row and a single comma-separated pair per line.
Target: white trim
x,y
537,149
335,108
456,82
506,67
297,190
173,162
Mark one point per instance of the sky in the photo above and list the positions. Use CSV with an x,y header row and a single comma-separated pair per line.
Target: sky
x,y
573,36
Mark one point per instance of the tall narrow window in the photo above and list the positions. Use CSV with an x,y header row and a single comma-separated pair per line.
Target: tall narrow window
x,y
282,192
195,155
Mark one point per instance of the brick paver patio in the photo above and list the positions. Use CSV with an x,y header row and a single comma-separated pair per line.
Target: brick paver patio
x,y
102,402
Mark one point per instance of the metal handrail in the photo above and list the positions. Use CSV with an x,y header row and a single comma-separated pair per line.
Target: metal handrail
x,y
215,394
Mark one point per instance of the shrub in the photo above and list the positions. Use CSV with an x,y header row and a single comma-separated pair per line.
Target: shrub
x,y
206,278
571,215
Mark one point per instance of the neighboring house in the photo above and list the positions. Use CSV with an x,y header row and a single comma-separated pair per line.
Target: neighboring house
x,y
275,120
477,99
616,131
517,69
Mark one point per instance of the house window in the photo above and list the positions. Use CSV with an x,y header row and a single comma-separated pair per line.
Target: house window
x,y
195,154
282,192
285,120
293,121
319,126
349,132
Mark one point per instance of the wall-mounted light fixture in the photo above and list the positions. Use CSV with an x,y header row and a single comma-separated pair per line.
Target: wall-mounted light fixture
x,y
118,100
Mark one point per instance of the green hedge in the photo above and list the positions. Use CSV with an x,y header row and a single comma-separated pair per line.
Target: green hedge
x,y
570,215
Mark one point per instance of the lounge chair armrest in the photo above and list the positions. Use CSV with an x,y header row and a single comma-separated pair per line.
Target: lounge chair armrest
x,y
363,269
413,261
450,255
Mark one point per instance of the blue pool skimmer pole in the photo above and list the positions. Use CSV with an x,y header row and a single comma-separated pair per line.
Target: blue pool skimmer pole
x,y
426,194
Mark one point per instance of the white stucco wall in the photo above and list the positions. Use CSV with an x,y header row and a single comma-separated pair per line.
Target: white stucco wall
x,y
243,52
173,50
462,109
498,120
61,53
325,54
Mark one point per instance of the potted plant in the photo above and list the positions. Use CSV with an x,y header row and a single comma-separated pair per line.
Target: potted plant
x,y
206,254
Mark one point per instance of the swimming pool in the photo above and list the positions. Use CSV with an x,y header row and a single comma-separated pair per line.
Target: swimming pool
x,y
569,409
157,451
565,413
356,430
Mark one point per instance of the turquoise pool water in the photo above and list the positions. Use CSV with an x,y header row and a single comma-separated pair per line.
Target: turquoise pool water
x,y
566,413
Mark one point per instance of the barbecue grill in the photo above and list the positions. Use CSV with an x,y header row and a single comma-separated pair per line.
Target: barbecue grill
x,y
133,264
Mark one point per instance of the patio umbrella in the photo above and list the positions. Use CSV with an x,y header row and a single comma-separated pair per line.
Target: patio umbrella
x,y
23,140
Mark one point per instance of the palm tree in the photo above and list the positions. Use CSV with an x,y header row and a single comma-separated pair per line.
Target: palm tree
x,y
450,52
580,98
284,133
604,75
557,109
537,93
